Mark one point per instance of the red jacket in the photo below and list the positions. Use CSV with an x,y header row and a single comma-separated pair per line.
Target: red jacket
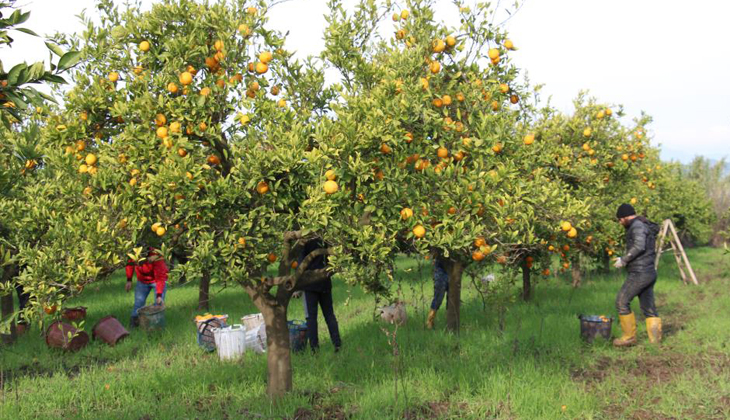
x,y
149,272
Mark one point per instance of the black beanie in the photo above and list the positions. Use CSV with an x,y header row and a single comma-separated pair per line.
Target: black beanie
x,y
625,210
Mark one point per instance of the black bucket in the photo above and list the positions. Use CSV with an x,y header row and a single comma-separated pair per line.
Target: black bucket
x,y
592,326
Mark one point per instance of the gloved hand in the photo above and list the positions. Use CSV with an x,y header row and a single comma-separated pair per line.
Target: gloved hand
x,y
619,263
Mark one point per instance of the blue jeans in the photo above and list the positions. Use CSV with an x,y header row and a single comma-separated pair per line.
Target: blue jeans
x,y
440,287
141,291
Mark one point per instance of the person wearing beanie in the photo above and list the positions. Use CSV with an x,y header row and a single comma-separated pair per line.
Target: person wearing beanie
x,y
639,263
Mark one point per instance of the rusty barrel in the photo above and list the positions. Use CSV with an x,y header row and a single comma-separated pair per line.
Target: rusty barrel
x,y
110,330
65,336
74,314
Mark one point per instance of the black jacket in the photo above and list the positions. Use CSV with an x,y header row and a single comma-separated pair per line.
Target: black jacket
x,y
640,246
316,264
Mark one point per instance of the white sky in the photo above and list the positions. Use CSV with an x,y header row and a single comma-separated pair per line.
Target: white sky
x,y
670,58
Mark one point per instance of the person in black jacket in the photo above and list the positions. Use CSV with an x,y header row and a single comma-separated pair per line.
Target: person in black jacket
x,y
639,262
319,293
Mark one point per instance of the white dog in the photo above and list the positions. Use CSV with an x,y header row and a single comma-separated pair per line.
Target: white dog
x,y
394,314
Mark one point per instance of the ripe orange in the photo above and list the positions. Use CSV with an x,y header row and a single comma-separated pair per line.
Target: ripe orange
x,y
266,57
185,78
572,233
182,152
438,46
409,137
452,210
479,242
435,67
477,255
442,152
503,87
261,68
172,87
144,46
385,149
566,248
406,213
211,63
205,91
90,159
419,231
529,139
271,257
330,187
202,126
160,120
113,77
450,41
514,99
566,226
508,44
495,106
330,175
438,102
493,54
404,14
262,187
160,231
162,132
218,45
244,30
587,132
294,265
213,160
50,310
497,148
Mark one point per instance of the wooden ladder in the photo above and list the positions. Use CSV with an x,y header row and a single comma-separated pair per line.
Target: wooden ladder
x,y
679,255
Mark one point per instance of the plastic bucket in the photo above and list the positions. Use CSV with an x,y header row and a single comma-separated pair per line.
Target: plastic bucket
x,y
110,330
297,335
64,336
251,322
152,317
230,341
74,314
592,326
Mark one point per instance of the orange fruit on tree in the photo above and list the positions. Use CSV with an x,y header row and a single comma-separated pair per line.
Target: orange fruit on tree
x,y
294,265
502,259
529,139
446,99
438,102
213,160
450,41
202,126
566,226
435,67
182,152
172,87
508,44
572,233
160,231
404,14
175,127
244,30
90,159
566,248
262,187
161,132
160,120
261,68
205,91
479,242
587,132
438,45
477,255
497,148
185,78
330,175
503,87
442,152
271,257
50,310
218,45
406,213
493,53
495,106
452,210
514,99
330,187
409,137
266,57
419,231
144,46
113,77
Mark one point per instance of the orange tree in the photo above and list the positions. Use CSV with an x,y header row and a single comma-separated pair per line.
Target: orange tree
x,y
16,94
188,127
439,156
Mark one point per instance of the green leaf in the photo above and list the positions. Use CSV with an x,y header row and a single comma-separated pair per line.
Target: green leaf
x,y
26,31
14,73
55,49
69,60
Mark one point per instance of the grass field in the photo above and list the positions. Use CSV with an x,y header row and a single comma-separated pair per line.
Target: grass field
x,y
530,365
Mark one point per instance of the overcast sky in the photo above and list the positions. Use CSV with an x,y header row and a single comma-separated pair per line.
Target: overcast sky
x,y
670,58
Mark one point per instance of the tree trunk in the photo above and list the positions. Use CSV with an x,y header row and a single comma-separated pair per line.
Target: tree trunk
x,y
6,304
204,291
526,285
453,310
575,273
278,351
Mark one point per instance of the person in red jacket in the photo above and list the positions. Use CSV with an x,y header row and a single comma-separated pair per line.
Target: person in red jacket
x,y
151,274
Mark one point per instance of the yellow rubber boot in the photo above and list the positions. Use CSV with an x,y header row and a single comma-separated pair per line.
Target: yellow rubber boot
x,y
628,326
431,318
654,329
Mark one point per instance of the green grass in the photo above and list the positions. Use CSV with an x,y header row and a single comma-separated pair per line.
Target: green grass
x,y
529,370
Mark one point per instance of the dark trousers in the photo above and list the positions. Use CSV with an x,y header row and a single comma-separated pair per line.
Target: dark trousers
x,y
323,299
440,287
23,298
641,285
